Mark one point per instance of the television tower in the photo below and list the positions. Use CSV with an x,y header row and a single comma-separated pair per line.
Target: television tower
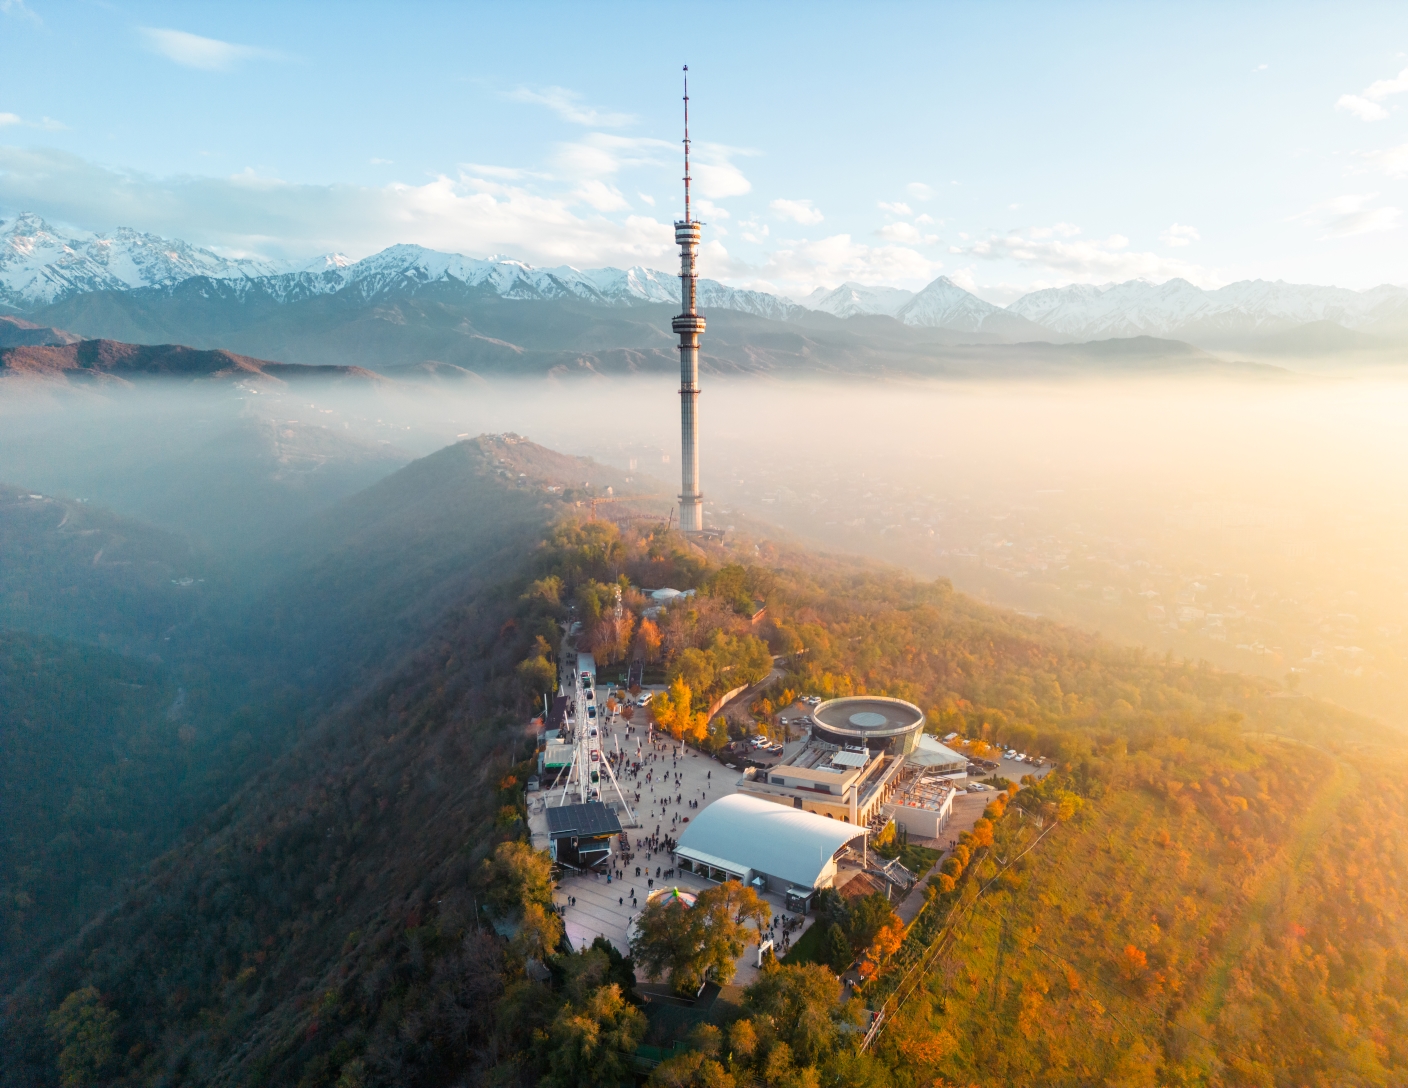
x,y
689,325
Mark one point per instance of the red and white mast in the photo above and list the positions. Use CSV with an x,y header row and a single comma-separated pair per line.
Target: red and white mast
x,y
689,325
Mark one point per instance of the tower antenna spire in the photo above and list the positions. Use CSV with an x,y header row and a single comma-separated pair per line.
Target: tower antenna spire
x,y
689,325
686,143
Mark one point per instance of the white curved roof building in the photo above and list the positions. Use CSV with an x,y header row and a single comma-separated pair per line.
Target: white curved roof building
x,y
745,837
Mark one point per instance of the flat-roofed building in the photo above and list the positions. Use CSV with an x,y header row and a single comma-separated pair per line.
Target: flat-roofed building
x,y
846,784
921,803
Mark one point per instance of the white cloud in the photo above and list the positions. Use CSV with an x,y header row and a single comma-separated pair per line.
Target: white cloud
x,y
905,232
900,232
600,154
18,9
919,190
647,199
1261,67
505,173
207,54
895,209
1365,105
249,213
754,230
1348,215
837,258
1382,88
1084,260
1392,161
1061,230
568,105
964,278
1013,207
1179,235
925,220
714,172
602,197
380,162
800,267
799,211
712,210
1361,107
48,124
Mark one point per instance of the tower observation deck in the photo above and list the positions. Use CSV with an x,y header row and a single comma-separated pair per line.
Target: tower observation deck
x,y
688,326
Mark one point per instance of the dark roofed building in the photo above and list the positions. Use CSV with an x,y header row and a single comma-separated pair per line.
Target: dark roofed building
x,y
557,716
581,834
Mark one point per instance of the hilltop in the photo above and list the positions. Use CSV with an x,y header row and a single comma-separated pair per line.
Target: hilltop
x,y
323,925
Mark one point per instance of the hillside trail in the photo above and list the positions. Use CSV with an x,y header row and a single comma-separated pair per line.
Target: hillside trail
x,y
1278,881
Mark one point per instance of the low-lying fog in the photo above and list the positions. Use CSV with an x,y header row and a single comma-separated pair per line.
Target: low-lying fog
x,y
1260,525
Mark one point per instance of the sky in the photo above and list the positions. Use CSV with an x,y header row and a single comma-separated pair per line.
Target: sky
x,y
1008,146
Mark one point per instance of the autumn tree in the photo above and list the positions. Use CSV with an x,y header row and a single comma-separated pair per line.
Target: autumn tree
x,y
803,1005
539,933
589,1045
866,918
692,1069
85,1032
674,712
516,876
647,641
695,668
690,944
536,673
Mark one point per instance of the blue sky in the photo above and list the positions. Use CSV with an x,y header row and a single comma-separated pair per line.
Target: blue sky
x,y
1009,146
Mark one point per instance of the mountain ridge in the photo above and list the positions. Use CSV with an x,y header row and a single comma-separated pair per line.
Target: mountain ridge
x,y
110,361
41,267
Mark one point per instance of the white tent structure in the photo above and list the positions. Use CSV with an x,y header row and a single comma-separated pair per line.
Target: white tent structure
x,y
938,758
745,838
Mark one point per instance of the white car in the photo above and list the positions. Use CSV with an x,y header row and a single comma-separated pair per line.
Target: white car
x,y
645,698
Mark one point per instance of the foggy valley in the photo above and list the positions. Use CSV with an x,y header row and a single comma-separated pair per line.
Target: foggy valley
x,y
1254,524
629,547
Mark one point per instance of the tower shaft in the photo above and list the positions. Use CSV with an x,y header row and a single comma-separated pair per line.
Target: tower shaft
x,y
688,326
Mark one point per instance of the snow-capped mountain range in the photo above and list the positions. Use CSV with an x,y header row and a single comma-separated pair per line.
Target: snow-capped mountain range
x,y
1179,309
858,298
40,265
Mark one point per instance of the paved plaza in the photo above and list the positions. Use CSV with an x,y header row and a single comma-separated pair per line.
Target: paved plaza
x,y
663,792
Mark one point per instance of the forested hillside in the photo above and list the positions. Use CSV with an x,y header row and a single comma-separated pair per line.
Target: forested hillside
x,y
110,757
325,927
